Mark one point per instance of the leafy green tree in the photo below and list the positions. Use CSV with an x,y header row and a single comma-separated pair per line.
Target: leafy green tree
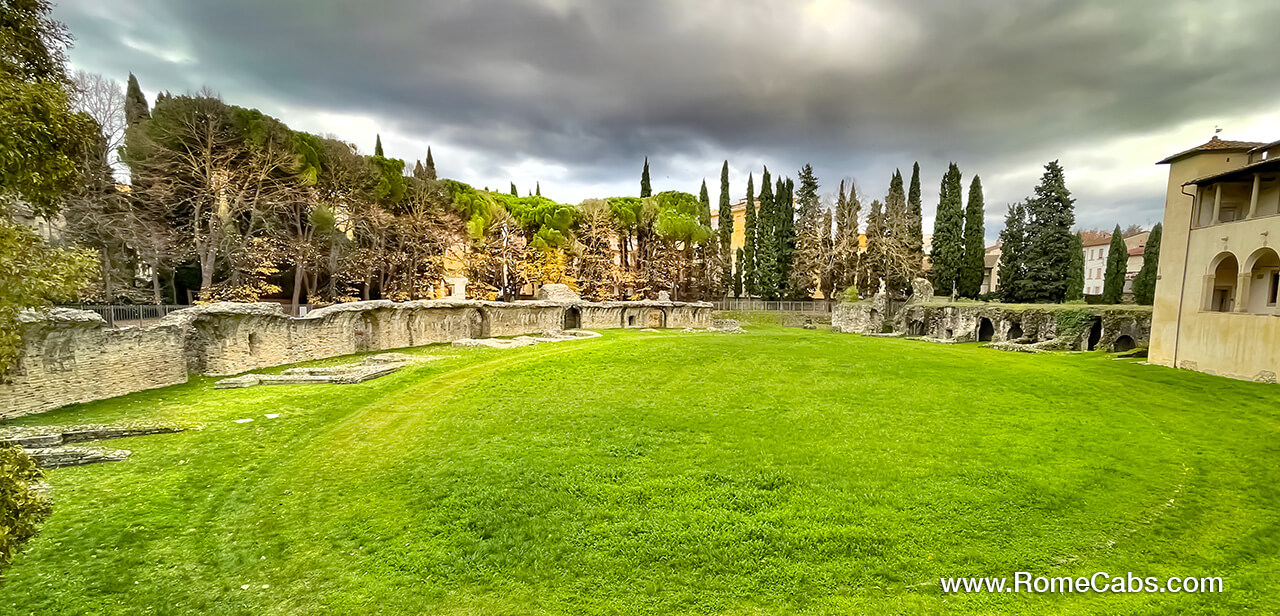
x,y
1075,276
135,103
749,225
645,188
1050,216
724,218
1144,284
969,279
947,254
22,506
1117,262
1013,247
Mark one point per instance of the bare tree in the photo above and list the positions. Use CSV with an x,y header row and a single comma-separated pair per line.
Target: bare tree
x,y
103,100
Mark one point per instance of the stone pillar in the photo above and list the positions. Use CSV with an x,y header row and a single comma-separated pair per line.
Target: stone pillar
x,y
1253,200
1206,296
1217,203
1242,291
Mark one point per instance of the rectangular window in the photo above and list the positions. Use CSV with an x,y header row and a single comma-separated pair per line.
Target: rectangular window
x,y
1275,284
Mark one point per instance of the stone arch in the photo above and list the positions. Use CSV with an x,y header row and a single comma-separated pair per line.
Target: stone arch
x,y
1095,334
1015,331
572,317
916,328
1220,283
657,318
255,343
985,329
1262,282
482,323
1123,343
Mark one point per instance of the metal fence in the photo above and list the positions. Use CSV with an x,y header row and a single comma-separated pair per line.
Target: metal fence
x,y
816,306
121,315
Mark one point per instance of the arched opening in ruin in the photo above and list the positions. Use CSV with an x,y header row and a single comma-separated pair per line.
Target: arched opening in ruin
x,y
1123,343
628,320
1095,333
254,343
916,328
985,330
1220,295
572,318
657,318
1264,278
482,323
1015,331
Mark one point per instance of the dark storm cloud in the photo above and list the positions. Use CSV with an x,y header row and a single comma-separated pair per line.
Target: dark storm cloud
x,y
855,88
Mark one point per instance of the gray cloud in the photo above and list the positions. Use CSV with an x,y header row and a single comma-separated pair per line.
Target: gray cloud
x,y
856,88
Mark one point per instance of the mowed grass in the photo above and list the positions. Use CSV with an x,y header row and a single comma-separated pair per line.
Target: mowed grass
x,y
774,472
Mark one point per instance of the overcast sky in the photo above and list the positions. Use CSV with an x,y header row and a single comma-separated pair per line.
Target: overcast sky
x,y
575,93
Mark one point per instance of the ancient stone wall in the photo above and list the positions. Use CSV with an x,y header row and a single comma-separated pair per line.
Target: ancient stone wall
x,y
72,356
1068,326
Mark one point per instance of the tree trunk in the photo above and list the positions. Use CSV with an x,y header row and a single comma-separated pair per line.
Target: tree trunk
x,y
107,290
298,273
155,283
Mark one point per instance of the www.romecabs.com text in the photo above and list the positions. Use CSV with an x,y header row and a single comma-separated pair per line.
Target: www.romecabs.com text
x,y
1100,582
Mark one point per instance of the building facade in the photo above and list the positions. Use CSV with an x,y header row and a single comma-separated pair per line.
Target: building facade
x,y
1215,304
1096,252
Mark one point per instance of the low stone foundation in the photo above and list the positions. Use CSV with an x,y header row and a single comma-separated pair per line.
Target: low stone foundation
x,y
1022,327
71,356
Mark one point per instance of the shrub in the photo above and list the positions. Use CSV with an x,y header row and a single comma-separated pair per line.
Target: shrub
x,y
850,295
22,507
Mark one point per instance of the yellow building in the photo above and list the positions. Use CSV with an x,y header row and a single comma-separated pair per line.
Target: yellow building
x,y
1215,303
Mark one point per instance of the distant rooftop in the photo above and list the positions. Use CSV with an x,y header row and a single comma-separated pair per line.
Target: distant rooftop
x,y
1215,144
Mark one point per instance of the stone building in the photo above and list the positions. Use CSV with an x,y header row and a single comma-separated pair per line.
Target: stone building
x,y
1215,304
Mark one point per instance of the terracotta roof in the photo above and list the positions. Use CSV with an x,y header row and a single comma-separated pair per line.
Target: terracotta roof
x,y
1214,144
1103,241
1137,252
1244,173
1265,146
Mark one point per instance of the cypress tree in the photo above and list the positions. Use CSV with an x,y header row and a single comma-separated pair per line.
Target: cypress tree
x,y
896,242
514,192
431,165
947,253
848,242
537,189
787,241
915,216
135,103
645,189
766,242
1075,276
1144,284
724,219
1113,277
749,225
704,205
872,270
1050,216
809,238
1012,271
377,146
737,274
969,280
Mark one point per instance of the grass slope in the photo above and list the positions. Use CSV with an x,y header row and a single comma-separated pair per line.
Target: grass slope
x,y
779,471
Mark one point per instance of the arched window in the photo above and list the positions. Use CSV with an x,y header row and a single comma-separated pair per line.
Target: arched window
x,y
1220,292
1264,277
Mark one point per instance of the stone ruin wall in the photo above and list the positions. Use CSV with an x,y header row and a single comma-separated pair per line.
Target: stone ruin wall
x,y
71,356
964,323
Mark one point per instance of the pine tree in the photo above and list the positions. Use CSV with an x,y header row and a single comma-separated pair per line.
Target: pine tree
x,y
915,215
1050,216
1117,262
737,274
645,189
135,103
514,192
1012,271
377,146
431,165
724,218
749,225
418,171
1075,275
947,254
1144,284
872,271
807,269
969,279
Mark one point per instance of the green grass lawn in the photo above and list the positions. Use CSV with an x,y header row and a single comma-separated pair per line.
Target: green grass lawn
x,y
775,472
